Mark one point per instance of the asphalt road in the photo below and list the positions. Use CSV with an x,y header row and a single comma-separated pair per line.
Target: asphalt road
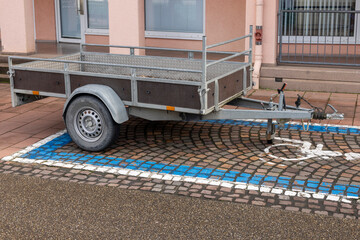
x,y
34,208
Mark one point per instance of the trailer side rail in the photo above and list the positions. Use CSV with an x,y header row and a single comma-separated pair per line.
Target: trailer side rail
x,y
199,69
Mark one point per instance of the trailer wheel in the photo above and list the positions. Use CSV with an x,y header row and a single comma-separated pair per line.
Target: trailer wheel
x,y
90,124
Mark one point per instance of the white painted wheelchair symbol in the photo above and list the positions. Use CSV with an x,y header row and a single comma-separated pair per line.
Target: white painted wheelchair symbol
x,y
305,151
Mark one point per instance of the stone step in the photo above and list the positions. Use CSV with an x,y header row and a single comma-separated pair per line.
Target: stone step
x,y
4,59
312,85
311,78
311,73
4,68
4,78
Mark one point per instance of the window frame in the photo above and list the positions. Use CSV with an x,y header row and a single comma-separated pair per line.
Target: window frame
x,y
176,35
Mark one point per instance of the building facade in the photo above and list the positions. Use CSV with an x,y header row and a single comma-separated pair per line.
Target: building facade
x,y
290,35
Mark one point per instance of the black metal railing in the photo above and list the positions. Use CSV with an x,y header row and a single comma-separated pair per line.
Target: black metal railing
x,y
323,32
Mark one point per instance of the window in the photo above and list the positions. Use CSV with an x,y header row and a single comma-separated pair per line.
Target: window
x,y
182,19
69,20
320,23
323,21
97,19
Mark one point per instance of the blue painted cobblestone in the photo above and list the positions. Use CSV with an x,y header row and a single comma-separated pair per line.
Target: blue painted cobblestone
x,y
47,152
291,126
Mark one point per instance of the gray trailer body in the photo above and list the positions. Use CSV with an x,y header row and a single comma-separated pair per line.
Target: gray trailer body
x,y
160,86
152,87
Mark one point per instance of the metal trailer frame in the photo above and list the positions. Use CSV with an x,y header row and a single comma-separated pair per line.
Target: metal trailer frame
x,y
203,85
68,68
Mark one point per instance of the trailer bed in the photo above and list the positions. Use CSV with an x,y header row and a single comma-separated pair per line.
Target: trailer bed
x,y
165,81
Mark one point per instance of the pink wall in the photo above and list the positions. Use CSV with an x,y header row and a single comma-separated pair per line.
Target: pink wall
x,y
0,28
45,20
173,43
97,39
250,18
224,20
126,23
17,26
321,49
270,31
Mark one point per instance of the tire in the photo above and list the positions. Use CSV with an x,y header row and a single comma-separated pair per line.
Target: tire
x,y
90,124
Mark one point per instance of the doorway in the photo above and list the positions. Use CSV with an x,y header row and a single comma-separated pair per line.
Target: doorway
x,y
69,21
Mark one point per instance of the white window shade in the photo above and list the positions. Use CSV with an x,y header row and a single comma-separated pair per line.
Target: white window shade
x,y
174,18
70,20
319,23
97,14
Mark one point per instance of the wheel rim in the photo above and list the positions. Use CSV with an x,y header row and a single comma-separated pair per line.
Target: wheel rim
x,y
88,124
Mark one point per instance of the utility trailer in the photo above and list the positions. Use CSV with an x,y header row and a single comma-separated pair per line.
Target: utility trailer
x,y
104,89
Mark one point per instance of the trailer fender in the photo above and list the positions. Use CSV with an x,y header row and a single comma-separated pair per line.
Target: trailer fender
x,y
107,95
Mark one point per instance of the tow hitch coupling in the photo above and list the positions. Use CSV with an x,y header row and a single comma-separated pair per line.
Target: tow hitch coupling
x,y
319,113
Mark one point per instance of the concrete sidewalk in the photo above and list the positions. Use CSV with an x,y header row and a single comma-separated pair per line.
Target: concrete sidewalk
x,y
29,123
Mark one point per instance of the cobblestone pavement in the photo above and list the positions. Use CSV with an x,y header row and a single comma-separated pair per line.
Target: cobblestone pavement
x,y
312,172
224,161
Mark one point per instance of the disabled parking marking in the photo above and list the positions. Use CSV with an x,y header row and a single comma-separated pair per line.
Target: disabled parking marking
x,y
306,152
352,156
43,152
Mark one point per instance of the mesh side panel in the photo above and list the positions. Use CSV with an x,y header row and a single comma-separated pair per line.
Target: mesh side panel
x,y
220,69
145,61
106,69
212,71
161,62
55,65
72,66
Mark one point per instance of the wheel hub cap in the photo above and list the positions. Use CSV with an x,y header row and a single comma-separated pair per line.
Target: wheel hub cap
x,y
89,124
